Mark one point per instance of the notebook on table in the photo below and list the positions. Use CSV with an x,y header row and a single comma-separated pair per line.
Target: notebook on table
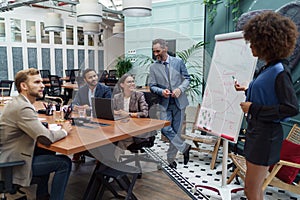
x,y
103,109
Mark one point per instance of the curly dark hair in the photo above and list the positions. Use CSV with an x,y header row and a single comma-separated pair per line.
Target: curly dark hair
x,y
272,35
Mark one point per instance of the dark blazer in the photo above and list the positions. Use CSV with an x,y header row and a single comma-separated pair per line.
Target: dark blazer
x,y
82,96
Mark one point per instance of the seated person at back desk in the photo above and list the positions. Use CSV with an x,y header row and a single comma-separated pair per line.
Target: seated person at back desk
x,y
21,130
92,88
83,98
129,103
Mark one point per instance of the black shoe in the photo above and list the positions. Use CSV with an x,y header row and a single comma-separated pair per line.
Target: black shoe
x,y
139,176
186,155
173,165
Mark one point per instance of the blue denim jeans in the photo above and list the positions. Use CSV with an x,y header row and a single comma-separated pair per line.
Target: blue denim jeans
x,y
43,165
173,132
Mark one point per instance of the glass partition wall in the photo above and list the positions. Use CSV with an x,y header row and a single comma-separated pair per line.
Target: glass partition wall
x,y
31,31
15,26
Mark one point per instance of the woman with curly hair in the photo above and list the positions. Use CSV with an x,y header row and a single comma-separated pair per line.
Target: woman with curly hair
x,y
270,97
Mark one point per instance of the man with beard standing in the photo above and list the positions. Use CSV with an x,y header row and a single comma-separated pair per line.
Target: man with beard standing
x,y
169,79
21,130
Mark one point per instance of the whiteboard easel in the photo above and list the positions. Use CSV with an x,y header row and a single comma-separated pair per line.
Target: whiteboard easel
x,y
221,114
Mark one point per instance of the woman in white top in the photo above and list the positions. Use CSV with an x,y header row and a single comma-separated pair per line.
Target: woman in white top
x,y
129,102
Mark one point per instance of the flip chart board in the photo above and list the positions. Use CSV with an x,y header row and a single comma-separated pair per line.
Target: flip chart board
x,y
220,113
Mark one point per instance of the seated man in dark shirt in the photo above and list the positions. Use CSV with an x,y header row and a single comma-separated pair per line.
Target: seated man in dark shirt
x,y
92,88
83,98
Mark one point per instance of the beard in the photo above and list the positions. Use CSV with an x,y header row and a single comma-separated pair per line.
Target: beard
x,y
35,94
92,83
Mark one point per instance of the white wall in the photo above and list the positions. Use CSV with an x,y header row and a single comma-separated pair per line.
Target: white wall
x,y
179,20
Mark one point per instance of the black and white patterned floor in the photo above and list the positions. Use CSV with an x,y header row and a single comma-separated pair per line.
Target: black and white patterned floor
x,y
198,172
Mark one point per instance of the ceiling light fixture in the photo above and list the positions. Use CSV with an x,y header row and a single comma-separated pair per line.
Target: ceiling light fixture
x,y
89,11
118,28
91,29
137,8
54,22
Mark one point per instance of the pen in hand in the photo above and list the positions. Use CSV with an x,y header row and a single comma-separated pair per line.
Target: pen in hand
x,y
235,80
236,84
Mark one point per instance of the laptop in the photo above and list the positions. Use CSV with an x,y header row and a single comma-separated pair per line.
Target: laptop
x,y
103,109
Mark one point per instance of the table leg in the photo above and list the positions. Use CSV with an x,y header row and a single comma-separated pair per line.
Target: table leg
x,y
93,185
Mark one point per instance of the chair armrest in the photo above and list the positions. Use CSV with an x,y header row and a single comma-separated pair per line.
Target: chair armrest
x,y
290,164
7,174
275,170
12,164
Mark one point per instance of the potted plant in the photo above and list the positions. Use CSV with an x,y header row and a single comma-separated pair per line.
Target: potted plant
x,y
123,65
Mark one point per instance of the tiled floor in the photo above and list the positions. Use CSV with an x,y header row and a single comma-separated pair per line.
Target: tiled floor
x,y
198,172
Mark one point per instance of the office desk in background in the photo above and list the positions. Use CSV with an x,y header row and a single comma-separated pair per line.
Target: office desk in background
x,y
66,78
67,85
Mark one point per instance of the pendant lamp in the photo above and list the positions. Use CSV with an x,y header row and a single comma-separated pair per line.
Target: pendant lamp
x,y
118,28
54,22
91,29
89,11
137,8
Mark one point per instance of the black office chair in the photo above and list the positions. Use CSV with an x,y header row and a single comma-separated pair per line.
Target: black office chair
x,y
6,182
55,88
138,154
55,85
103,76
120,173
137,148
6,85
112,74
72,74
45,73
68,73
112,79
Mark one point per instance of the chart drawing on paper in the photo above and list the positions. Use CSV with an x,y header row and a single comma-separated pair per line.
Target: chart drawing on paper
x,y
232,61
207,117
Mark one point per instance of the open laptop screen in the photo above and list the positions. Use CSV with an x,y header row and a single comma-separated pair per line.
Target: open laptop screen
x,y
103,109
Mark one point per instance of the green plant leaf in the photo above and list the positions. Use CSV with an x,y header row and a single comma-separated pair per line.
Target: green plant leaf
x,y
123,66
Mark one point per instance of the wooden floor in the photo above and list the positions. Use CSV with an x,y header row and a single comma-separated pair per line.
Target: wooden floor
x,y
152,186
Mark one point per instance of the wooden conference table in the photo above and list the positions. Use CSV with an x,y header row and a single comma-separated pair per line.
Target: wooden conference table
x,y
89,136
92,135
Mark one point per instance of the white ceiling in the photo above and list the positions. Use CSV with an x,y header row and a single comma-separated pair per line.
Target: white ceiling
x,y
117,4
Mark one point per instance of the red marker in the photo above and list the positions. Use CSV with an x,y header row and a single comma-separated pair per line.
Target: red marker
x,y
227,137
